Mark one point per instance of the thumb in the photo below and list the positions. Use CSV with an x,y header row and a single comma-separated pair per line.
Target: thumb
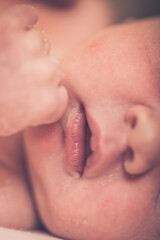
x,y
51,107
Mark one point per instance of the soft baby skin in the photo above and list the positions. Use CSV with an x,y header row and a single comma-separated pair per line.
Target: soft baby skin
x,y
111,190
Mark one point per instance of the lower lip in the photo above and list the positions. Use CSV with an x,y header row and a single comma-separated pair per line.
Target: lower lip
x,y
75,141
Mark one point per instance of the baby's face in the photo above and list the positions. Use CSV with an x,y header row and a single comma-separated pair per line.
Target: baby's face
x,y
95,172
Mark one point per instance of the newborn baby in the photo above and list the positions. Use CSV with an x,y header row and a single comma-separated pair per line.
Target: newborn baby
x,y
91,176
95,173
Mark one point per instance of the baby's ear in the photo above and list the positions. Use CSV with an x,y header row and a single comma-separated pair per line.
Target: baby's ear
x,y
20,16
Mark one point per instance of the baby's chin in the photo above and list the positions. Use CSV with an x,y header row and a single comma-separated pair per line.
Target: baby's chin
x,y
89,211
122,226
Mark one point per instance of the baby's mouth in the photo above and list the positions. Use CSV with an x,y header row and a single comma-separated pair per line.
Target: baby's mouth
x,y
77,141
88,135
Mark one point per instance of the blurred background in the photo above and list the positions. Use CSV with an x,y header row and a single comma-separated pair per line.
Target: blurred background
x,y
135,8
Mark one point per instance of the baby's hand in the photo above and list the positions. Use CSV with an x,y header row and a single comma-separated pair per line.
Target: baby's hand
x,y
30,78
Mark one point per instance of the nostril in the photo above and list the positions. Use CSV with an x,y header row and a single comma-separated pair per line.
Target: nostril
x,y
129,161
131,120
129,154
128,157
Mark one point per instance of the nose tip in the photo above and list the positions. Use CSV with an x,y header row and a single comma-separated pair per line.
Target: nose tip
x,y
143,139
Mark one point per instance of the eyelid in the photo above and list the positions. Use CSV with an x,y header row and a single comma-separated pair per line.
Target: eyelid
x,y
58,4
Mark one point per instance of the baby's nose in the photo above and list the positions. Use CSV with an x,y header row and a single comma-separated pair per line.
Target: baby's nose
x,y
143,140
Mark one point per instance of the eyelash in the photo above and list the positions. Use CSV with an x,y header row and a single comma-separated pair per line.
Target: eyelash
x,y
62,5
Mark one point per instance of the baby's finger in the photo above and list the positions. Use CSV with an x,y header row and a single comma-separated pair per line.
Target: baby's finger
x,y
50,106
36,43
42,71
19,16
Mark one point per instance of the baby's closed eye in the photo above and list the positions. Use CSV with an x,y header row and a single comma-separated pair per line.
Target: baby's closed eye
x,y
58,4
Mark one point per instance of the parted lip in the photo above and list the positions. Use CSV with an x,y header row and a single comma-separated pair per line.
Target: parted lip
x,y
88,153
77,141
